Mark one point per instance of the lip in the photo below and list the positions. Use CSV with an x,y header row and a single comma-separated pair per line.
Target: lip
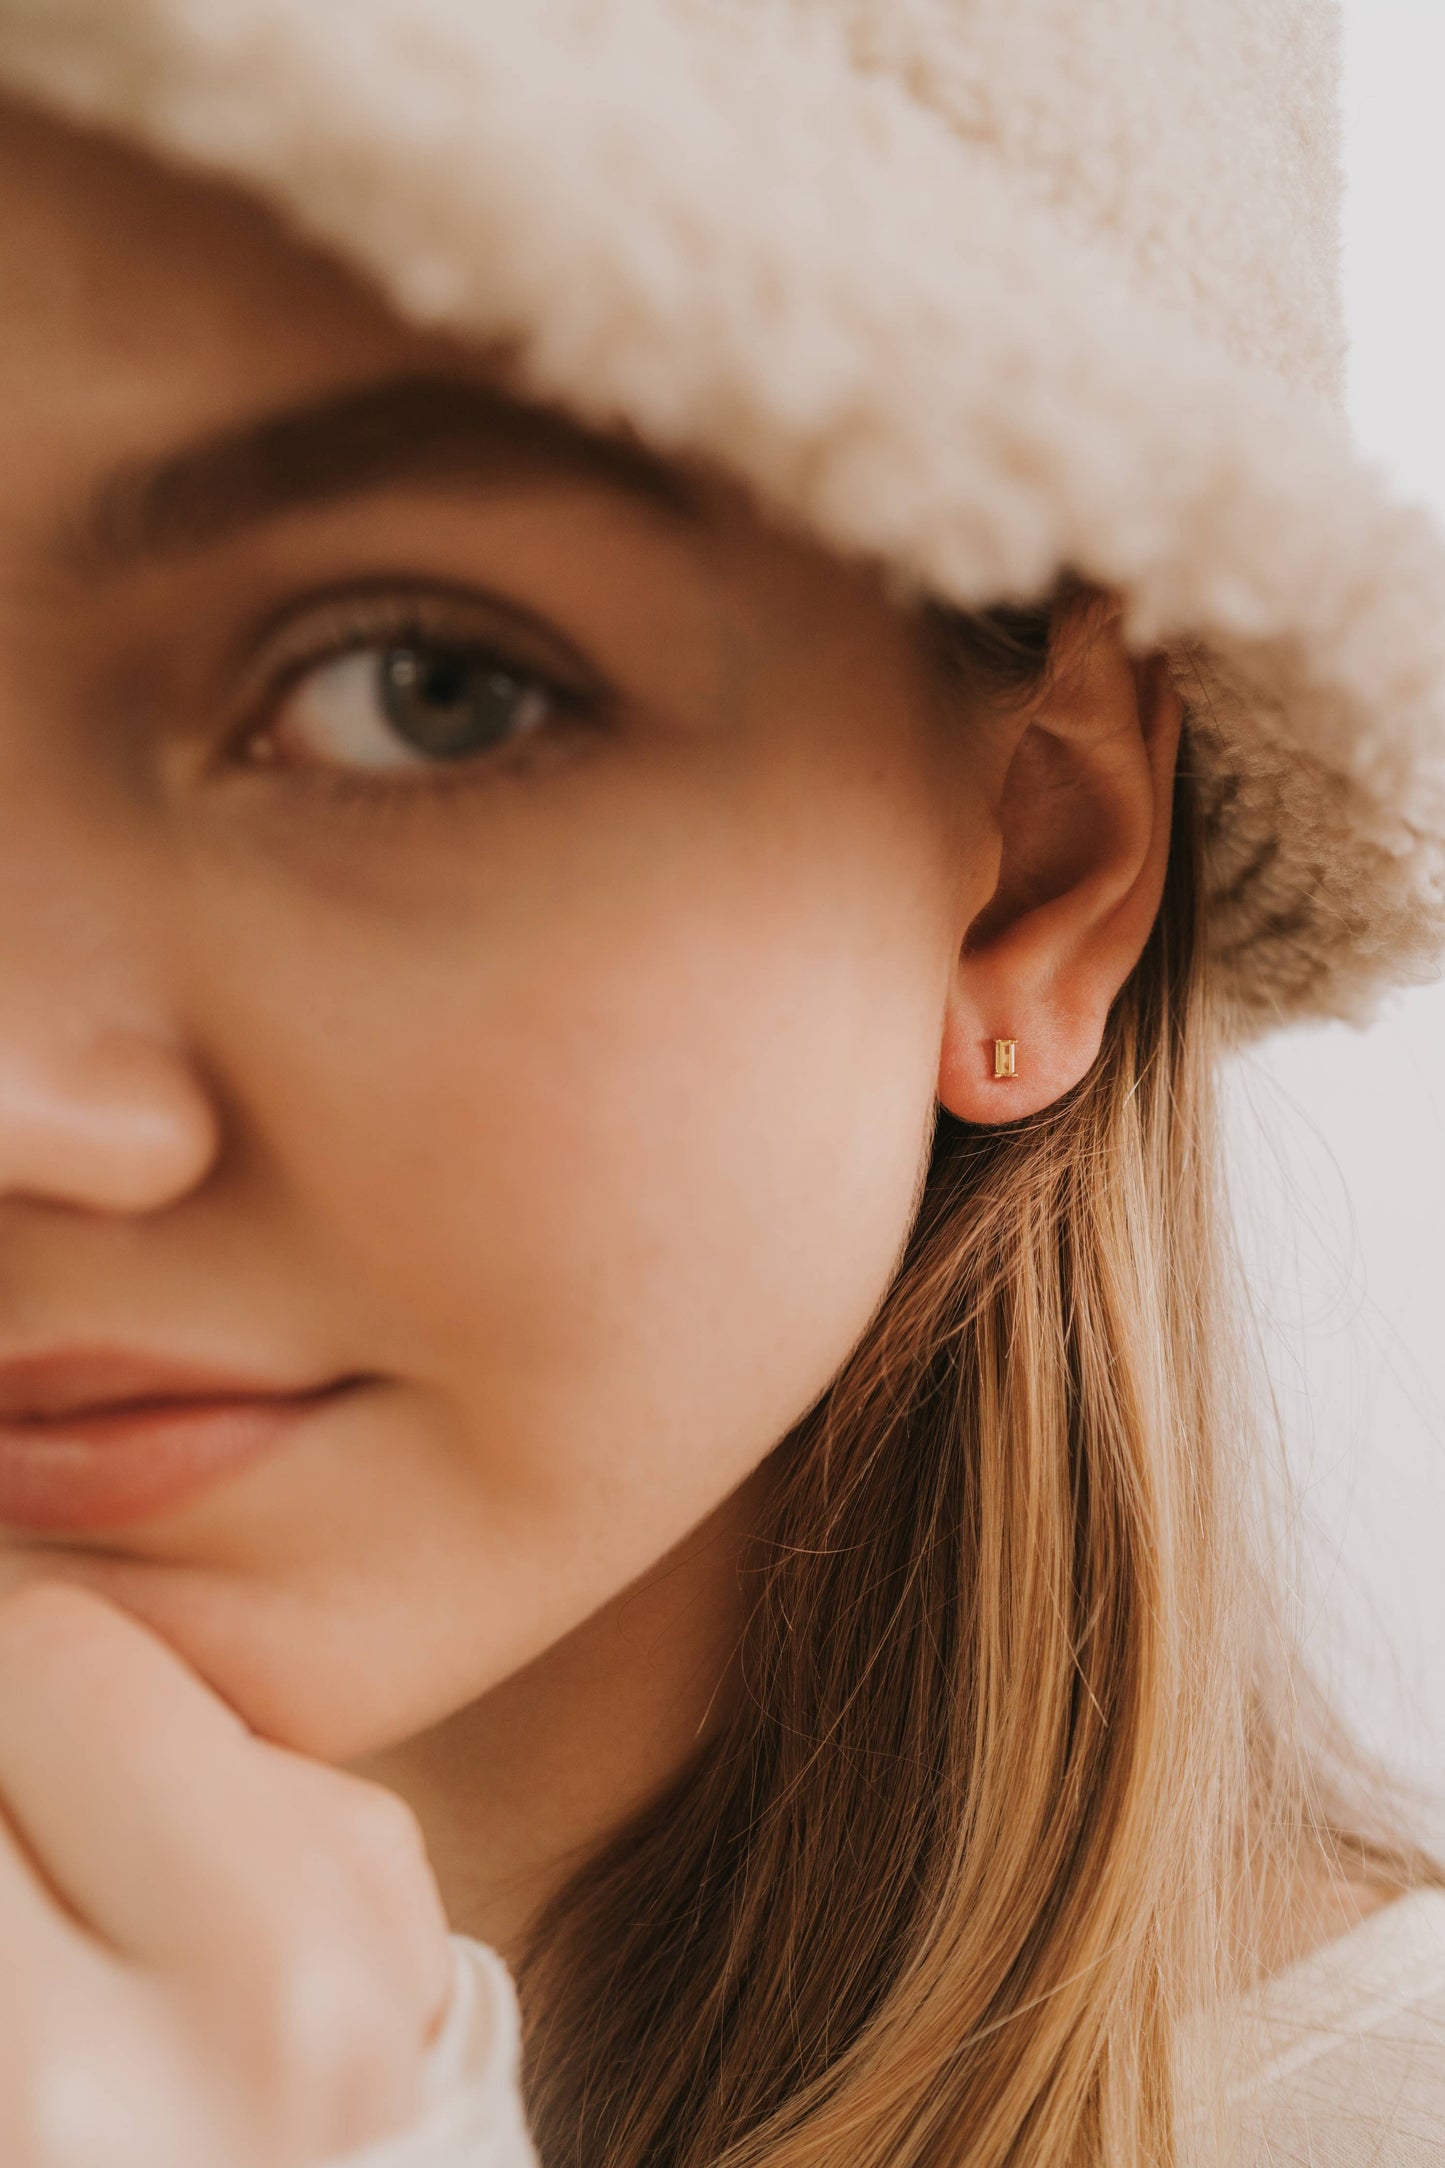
x,y
95,1438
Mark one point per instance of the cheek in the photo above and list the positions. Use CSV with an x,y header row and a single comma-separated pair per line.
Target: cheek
x,y
622,1202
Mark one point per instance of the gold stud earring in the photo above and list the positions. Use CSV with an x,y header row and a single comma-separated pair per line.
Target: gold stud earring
x,y
1005,1053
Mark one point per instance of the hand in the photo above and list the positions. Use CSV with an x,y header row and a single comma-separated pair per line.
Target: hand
x,y
212,1950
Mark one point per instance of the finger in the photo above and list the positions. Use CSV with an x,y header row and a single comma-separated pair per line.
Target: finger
x,y
174,1832
52,1973
36,1921
138,1791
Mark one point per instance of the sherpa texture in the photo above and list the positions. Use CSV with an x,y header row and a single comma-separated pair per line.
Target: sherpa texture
x,y
980,288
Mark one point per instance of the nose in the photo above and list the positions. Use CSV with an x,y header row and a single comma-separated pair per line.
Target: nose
x,y
99,1116
100,1108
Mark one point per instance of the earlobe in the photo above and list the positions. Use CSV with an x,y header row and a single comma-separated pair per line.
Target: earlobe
x,y
1084,826
978,1085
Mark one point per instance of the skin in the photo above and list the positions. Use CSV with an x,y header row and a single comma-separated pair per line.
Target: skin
x,y
576,1097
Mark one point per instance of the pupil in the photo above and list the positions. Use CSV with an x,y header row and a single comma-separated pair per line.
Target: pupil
x,y
446,702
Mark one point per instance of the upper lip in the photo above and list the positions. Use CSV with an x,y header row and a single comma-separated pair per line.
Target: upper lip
x,y
75,1381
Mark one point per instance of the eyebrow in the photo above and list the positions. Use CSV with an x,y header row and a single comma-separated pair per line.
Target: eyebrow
x,y
436,430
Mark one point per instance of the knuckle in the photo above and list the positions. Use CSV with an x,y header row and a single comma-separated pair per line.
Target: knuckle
x,y
363,1829
384,1829
381,1873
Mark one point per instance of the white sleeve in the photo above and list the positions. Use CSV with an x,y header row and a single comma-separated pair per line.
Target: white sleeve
x,y
472,2114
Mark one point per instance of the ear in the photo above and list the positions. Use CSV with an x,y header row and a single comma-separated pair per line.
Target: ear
x,y
1083,838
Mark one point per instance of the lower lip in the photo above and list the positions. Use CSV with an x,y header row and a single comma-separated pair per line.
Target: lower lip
x,y
107,1469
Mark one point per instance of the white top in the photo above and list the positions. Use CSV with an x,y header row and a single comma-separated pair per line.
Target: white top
x,y
1341,2059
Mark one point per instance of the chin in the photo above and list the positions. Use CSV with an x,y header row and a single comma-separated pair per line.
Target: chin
x,y
290,1669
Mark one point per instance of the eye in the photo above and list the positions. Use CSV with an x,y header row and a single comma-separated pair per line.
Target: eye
x,y
411,703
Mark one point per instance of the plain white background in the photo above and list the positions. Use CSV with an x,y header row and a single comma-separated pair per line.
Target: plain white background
x,y
1339,1136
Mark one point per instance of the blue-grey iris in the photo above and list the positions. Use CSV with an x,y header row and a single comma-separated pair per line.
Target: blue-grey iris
x,y
451,702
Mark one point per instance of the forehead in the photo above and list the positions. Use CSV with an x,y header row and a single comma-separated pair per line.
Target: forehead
x,y
151,314
131,290
171,356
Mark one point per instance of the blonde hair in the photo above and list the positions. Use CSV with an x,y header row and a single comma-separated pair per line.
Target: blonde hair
x,y
996,1806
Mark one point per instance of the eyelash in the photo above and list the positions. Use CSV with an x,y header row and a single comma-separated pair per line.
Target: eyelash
x,y
396,617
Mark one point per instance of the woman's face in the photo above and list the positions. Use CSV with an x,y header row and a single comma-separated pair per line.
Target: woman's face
x,y
475,922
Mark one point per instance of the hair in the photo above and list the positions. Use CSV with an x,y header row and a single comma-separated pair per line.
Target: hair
x,y
1017,1769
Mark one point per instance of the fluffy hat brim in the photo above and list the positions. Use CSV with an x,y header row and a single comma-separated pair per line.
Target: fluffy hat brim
x,y
750,253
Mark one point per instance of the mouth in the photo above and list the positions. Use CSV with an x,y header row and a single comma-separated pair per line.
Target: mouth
x,y
96,1439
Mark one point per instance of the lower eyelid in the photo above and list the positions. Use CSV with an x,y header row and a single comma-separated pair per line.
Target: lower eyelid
x,y
392,795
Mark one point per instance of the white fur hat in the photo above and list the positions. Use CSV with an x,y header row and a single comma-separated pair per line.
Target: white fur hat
x,y
982,288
